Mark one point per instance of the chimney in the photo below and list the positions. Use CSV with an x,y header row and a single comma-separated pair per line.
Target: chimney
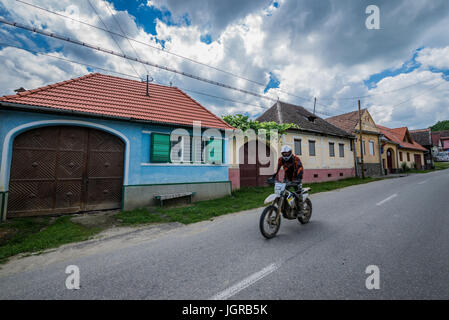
x,y
21,89
148,93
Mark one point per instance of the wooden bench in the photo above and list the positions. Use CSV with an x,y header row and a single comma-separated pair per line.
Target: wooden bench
x,y
162,197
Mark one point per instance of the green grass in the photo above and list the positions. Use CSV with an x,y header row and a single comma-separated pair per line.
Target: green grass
x,y
243,199
37,234
438,166
441,165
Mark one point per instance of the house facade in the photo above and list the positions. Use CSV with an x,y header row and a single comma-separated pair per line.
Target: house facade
x,y
424,138
399,148
100,142
371,139
325,150
440,140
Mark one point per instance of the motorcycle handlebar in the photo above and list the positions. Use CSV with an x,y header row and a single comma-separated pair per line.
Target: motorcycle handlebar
x,y
272,181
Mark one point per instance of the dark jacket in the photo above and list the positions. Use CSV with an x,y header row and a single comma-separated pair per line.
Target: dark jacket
x,y
293,167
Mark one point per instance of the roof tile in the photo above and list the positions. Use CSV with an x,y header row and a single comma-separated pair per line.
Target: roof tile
x,y
101,94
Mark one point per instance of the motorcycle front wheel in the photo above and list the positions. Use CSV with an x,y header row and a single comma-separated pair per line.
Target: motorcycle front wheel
x,y
307,212
268,225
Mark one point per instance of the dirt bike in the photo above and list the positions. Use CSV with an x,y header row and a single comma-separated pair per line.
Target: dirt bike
x,y
290,205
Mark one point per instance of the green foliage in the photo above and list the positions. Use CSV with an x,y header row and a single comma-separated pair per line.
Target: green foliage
x,y
404,167
243,123
440,126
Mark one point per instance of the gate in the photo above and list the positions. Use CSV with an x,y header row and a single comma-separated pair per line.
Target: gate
x,y
250,173
65,170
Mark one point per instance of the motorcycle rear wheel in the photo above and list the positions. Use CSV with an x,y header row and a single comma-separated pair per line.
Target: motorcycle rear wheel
x,y
268,226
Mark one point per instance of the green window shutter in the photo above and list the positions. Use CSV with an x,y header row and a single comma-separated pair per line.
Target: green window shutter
x,y
160,147
214,153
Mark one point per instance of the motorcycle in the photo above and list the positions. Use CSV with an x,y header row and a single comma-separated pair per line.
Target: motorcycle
x,y
286,203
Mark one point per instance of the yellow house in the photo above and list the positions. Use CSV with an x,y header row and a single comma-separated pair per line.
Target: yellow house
x,y
370,146
400,148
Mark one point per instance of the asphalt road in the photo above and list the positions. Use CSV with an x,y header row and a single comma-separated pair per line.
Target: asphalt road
x,y
399,225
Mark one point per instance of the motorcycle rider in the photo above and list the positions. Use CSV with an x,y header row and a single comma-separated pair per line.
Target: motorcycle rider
x,y
293,169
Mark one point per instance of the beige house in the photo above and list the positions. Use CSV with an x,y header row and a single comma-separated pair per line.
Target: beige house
x,y
371,135
325,150
399,147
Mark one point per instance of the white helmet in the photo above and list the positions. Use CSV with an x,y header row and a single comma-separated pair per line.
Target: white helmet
x,y
286,152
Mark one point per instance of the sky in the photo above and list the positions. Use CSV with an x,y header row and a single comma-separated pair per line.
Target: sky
x,y
293,51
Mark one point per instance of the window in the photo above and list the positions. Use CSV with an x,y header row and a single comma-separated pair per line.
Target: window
x,y
341,150
180,149
408,156
214,151
198,150
311,148
298,150
160,147
400,156
331,149
371,148
363,147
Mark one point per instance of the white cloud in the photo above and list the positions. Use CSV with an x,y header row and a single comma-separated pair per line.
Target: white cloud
x,y
315,49
434,57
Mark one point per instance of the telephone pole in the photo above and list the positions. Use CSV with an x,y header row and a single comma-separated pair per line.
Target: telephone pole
x,y
361,144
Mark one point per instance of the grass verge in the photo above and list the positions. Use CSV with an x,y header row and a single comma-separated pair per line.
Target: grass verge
x,y
243,199
35,234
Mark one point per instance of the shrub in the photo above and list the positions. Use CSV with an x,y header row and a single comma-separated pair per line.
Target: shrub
x,y
404,167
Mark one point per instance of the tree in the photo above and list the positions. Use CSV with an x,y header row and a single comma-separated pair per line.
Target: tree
x,y
243,123
440,126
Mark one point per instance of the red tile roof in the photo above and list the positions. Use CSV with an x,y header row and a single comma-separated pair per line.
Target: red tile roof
x,y
398,135
101,94
346,121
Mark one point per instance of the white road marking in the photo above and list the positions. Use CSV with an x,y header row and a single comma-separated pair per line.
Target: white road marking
x,y
423,181
245,283
387,199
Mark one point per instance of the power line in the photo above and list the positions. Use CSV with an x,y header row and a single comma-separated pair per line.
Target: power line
x,y
110,34
204,64
124,34
135,77
143,43
163,50
124,56
125,74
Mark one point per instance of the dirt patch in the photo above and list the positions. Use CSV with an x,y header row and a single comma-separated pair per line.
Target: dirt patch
x,y
97,219
6,234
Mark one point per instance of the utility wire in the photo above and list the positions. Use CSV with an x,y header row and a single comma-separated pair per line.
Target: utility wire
x,y
204,64
141,42
136,77
124,34
122,55
125,74
110,34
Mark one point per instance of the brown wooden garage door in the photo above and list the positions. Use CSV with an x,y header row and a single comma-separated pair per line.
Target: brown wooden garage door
x,y
250,173
65,170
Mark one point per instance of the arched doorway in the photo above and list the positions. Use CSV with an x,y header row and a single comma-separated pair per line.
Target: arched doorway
x,y
65,169
250,174
390,160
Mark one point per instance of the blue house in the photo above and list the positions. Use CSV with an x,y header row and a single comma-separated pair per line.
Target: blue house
x,y
102,142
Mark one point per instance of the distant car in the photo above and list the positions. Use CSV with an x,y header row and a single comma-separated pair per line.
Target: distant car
x,y
442,156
